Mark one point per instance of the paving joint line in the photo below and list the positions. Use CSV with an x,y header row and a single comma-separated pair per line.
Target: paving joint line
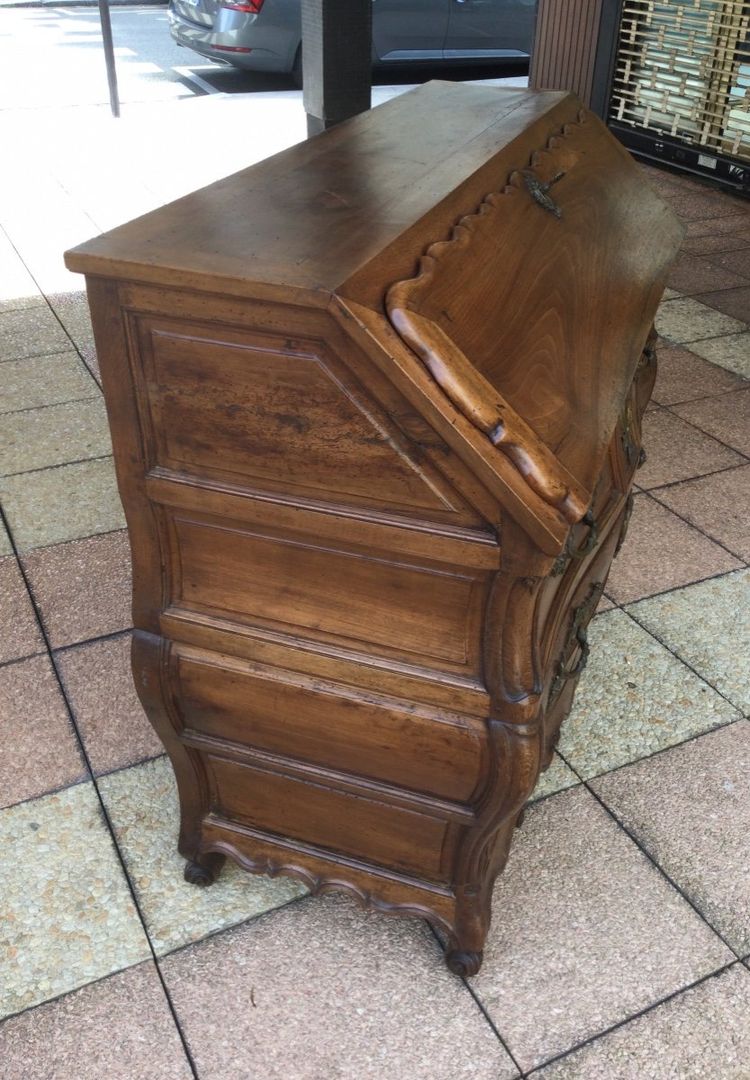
x,y
636,1016
677,656
480,1005
671,405
696,427
638,760
99,637
238,925
698,528
59,465
75,990
698,476
39,355
644,851
46,300
25,553
677,588
104,812
49,405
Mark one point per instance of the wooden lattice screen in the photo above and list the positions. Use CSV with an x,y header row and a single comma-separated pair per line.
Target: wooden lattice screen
x,y
683,71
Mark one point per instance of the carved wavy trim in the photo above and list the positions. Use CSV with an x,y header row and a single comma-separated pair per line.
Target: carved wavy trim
x,y
320,884
467,388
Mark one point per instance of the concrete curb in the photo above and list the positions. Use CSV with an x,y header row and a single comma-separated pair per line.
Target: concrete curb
x,y
79,3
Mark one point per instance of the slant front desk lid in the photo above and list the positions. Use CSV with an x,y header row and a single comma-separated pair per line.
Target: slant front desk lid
x,y
498,247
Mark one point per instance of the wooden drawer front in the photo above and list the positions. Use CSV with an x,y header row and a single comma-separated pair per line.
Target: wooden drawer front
x,y
309,723
334,820
363,600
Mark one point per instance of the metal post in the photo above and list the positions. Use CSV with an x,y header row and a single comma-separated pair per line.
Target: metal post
x,y
109,56
336,60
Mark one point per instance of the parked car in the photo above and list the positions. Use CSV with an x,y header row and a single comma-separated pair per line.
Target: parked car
x,y
266,35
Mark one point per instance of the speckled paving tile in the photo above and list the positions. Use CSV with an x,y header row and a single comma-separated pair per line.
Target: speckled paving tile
x,y
686,319
70,916
676,451
717,242
634,698
31,332
72,310
120,1028
99,687
727,418
700,1034
19,631
321,989
734,302
44,380
731,351
18,290
53,435
709,626
733,262
64,503
718,504
557,777
698,202
82,588
690,809
142,804
586,932
713,226
40,750
666,183
662,552
694,274
683,376
6,548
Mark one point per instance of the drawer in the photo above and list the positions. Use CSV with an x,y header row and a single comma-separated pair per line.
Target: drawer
x,y
367,602
336,821
305,719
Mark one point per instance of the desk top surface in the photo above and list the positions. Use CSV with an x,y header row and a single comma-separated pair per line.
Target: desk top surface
x,y
310,217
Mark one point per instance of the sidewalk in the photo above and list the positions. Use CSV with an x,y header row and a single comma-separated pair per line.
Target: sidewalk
x,y
621,937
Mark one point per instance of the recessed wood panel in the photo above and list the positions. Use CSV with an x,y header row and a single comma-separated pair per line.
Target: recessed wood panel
x,y
421,749
362,599
231,403
329,819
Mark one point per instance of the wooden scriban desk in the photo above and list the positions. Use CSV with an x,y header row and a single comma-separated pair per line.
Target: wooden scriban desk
x,y
376,409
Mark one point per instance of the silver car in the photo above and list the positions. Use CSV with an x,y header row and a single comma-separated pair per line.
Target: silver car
x,y
266,35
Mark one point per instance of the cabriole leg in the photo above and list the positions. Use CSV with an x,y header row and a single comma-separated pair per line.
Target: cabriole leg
x,y
203,870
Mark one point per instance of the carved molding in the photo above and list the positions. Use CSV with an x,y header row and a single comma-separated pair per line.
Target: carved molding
x,y
467,388
318,885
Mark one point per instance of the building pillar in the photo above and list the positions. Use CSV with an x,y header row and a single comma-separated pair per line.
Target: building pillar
x,y
336,60
574,48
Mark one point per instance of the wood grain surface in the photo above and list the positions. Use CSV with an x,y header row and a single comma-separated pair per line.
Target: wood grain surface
x,y
376,411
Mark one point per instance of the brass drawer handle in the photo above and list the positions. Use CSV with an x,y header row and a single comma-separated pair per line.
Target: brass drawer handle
x,y
582,641
591,540
588,546
577,636
563,674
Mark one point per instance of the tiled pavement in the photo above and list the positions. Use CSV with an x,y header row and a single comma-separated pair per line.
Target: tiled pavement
x,y
623,919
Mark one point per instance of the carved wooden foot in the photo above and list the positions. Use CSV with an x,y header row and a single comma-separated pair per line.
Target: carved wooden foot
x,y
204,869
463,963
521,816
